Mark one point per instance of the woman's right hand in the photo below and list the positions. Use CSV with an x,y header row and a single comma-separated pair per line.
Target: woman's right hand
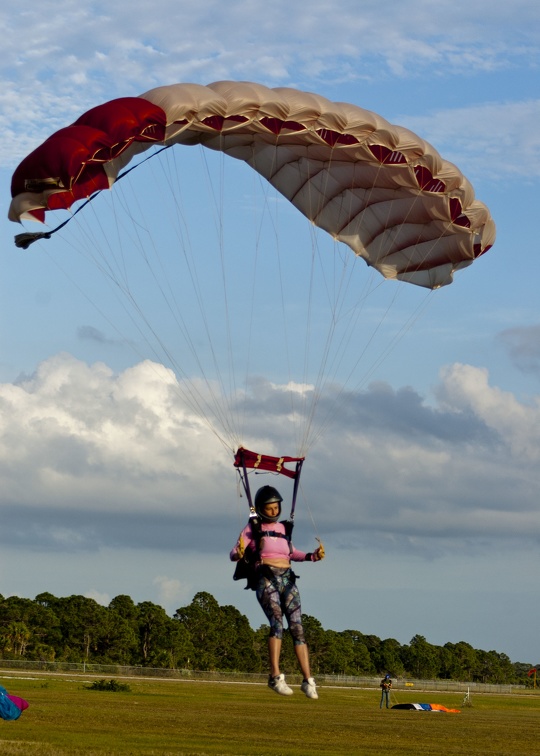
x,y
319,553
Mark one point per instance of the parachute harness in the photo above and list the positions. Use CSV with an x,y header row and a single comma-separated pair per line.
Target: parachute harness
x,y
246,567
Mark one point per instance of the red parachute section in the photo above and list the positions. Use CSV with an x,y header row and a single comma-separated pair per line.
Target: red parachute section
x,y
71,164
255,461
245,460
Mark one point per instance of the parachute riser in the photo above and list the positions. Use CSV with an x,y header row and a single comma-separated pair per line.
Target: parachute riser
x,y
243,475
295,489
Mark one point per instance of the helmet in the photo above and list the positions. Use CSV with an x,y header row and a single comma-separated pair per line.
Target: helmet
x,y
267,495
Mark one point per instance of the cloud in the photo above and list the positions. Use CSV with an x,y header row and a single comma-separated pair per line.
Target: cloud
x,y
90,333
101,598
82,425
70,57
517,425
91,459
523,346
172,592
486,137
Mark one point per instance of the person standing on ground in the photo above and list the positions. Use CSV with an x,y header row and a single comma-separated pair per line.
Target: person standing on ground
x,y
386,687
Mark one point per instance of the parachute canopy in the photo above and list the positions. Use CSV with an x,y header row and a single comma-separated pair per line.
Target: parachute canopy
x,y
426,707
11,707
378,188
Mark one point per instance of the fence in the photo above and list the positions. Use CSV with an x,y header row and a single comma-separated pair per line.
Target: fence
x,y
344,681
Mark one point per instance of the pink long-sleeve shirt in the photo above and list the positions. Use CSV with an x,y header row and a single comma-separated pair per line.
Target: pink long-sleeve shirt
x,y
271,547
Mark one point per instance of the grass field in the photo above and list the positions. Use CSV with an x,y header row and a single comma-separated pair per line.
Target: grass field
x,y
187,718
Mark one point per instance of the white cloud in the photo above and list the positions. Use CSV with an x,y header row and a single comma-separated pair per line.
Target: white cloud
x,y
466,389
101,598
523,346
172,592
494,139
84,450
112,438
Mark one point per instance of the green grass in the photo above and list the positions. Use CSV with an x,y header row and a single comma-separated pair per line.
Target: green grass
x,y
67,718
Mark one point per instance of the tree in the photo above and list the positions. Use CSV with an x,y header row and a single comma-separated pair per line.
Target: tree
x,y
260,648
388,658
14,638
41,628
177,648
362,663
337,654
493,667
316,640
461,662
47,600
152,624
420,658
82,621
125,607
211,637
118,641
236,646
205,635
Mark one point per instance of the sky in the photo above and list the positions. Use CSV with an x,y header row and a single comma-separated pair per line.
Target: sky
x,y
424,486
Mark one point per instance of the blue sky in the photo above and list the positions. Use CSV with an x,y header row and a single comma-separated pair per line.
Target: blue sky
x,y
425,487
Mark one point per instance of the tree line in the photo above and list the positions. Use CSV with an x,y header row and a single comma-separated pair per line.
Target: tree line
x,y
207,636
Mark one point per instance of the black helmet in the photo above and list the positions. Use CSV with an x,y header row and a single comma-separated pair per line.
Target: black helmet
x,y
267,495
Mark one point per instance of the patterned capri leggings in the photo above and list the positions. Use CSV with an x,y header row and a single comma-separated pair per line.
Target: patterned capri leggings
x,y
278,595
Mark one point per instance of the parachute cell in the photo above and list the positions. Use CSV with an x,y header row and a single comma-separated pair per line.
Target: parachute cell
x,y
378,188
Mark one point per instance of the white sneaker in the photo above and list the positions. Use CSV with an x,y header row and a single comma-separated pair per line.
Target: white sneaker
x,y
309,688
279,685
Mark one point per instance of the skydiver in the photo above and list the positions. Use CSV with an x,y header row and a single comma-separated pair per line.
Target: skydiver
x,y
275,584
